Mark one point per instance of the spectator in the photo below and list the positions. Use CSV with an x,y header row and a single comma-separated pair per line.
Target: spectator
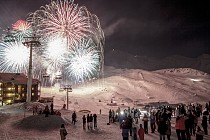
x,y
162,128
152,122
145,120
168,131
95,120
63,132
125,130
205,124
91,121
84,122
74,117
199,134
88,121
141,132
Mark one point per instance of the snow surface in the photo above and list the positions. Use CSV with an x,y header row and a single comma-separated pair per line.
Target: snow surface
x,y
126,87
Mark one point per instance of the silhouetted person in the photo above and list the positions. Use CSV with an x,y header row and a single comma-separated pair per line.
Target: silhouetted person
x,y
46,111
95,120
205,124
88,121
74,117
63,132
84,122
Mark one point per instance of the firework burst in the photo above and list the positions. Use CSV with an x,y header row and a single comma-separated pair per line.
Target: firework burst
x,y
22,29
83,62
14,57
54,54
63,18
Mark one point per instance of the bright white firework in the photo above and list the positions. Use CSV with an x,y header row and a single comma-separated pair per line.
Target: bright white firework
x,y
83,62
54,54
63,18
22,29
14,57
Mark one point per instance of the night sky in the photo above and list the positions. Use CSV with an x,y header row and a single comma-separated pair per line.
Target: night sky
x,y
155,28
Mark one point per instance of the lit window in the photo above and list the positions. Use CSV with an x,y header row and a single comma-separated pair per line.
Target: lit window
x,y
32,88
32,94
23,95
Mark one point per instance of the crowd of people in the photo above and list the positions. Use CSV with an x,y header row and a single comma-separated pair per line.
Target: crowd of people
x,y
186,122
47,110
134,123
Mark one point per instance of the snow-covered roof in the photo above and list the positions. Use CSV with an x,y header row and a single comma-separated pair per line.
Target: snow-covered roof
x,y
16,78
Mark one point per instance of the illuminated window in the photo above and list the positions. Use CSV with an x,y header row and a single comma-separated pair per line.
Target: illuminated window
x,y
32,94
19,88
23,95
9,88
32,88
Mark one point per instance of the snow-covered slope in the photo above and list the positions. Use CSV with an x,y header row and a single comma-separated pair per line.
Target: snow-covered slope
x,y
127,87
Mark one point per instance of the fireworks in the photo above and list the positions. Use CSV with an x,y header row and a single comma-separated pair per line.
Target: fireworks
x,y
54,53
14,57
63,18
72,43
83,62
22,29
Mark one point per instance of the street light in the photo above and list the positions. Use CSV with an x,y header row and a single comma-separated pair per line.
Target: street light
x,y
30,42
68,89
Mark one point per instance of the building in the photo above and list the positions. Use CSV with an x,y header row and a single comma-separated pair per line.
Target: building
x,y
13,88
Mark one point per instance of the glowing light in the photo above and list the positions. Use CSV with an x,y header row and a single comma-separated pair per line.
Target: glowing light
x,y
121,112
14,57
196,80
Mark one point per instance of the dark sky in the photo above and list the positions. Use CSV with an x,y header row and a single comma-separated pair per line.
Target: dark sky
x,y
154,28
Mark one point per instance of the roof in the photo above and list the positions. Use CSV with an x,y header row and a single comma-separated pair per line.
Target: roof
x,y
16,78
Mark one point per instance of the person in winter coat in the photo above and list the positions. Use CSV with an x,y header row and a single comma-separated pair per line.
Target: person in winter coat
x,y
63,132
199,134
141,132
162,128
88,121
46,111
134,133
91,121
125,130
181,126
152,122
177,127
74,117
168,131
145,120
84,122
95,120
205,124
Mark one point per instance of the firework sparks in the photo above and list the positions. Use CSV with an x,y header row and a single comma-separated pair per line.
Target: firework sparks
x,y
14,57
63,18
54,53
22,29
83,62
